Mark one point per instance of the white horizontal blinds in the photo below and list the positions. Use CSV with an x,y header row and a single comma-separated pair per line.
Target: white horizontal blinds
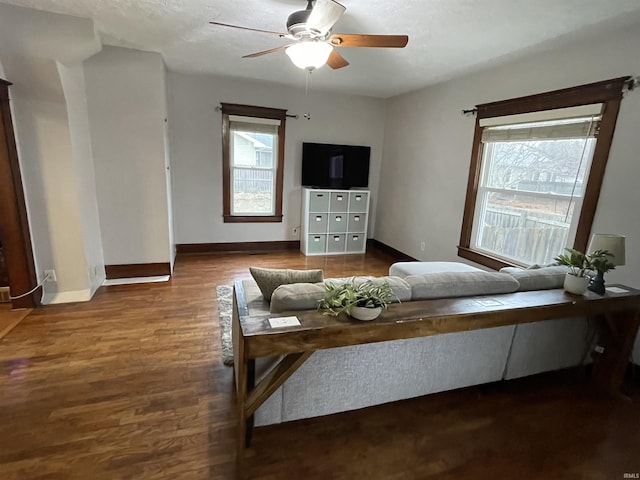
x,y
565,123
239,123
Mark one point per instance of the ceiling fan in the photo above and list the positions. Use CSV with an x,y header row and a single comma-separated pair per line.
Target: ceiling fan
x,y
312,40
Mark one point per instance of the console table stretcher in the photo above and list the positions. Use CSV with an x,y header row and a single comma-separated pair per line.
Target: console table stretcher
x,y
253,337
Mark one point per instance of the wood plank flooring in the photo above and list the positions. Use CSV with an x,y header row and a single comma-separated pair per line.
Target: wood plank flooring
x,y
9,317
131,386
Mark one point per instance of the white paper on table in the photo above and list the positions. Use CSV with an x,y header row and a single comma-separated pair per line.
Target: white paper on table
x,y
616,290
284,322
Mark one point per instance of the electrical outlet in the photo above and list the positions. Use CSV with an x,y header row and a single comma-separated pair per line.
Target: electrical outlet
x,y
50,276
422,246
294,231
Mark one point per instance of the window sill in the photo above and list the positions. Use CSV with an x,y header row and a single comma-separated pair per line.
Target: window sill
x,y
484,259
252,219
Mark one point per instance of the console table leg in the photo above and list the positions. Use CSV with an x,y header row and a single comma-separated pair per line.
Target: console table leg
x,y
617,338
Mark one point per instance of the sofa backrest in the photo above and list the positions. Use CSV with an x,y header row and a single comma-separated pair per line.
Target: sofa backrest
x,y
460,284
306,296
543,278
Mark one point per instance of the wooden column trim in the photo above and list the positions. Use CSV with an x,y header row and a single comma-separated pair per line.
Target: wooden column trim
x,y
13,212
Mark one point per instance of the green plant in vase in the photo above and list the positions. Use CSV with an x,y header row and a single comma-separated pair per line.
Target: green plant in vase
x,y
364,301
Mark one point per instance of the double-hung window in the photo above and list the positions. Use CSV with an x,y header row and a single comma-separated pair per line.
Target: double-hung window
x,y
536,171
253,162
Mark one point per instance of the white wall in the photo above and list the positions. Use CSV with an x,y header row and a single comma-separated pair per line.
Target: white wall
x,y
73,83
196,151
49,177
126,98
428,145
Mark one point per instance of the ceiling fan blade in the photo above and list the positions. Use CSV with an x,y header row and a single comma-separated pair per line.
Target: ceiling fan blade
x,y
248,28
336,60
357,40
324,15
265,52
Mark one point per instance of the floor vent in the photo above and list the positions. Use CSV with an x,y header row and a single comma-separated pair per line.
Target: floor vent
x,y
5,295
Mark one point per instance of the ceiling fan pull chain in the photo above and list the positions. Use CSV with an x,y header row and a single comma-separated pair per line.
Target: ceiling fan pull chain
x,y
306,91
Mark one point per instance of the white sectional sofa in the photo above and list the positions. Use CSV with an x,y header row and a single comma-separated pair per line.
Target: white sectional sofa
x,y
359,376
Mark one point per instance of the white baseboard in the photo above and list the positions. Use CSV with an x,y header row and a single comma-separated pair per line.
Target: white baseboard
x,y
67,297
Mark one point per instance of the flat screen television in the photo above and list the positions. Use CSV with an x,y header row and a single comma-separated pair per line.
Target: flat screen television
x,y
335,166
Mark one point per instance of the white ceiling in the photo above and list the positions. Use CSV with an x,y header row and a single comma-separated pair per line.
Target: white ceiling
x,y
446,37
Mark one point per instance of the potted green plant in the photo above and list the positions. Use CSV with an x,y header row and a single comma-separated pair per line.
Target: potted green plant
x,y
363,301
581,266
576,281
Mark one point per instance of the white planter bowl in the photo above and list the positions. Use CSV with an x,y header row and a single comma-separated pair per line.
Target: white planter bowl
x,y
575,285
365,314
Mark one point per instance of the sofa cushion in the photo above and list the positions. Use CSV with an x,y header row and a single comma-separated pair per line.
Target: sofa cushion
x,y
404,269
268,279
460,284
306,296
543,278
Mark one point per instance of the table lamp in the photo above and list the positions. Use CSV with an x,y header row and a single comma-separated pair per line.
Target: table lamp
x,y
614,244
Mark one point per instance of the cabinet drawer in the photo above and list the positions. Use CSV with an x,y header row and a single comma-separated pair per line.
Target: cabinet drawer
x,y
339,202
319,201
355,242
317,243
317,223
357,221
335,243
338,222
358,201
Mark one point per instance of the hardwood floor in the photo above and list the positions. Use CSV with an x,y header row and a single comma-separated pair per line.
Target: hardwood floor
x,y
131,386
9,317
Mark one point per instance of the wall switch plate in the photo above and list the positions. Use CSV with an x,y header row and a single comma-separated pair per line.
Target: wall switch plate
x,y
422,246
599,349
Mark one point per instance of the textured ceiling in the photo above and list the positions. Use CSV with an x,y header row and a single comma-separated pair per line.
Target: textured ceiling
x,y
446,37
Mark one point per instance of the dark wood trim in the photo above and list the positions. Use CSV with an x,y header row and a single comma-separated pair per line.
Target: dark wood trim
x,y
252,219
14,222
567,97
137,270
596,173
238,247
484,259
472,185
608,92
397,254
226,167
257,112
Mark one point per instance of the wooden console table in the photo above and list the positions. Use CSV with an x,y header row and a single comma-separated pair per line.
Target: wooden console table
x,y
253,337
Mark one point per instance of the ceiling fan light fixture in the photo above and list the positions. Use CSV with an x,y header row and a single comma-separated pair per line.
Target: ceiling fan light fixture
x,y
309,55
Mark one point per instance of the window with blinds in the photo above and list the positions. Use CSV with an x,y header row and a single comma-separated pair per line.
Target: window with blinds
x,y
253,148
534,169
253,163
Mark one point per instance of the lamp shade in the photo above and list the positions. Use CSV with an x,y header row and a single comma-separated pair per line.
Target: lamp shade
x,y
614,244
309,55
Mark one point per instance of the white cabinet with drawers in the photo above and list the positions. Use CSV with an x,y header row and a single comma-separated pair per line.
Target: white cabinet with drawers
x,y
334,221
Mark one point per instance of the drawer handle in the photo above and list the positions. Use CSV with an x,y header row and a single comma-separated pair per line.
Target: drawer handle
x,y
358,198
355,237
356,218
316,239
338,218
336,238
339,197
319,195
318,219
